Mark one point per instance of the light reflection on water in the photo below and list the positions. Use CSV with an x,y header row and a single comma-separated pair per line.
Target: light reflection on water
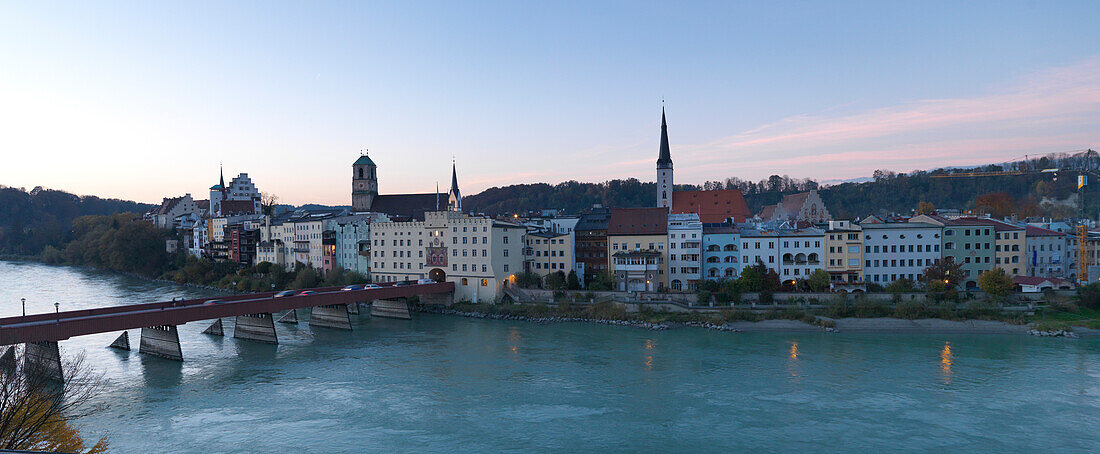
x,y
445,384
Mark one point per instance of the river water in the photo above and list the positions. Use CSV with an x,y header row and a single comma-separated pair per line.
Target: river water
x,y
446,384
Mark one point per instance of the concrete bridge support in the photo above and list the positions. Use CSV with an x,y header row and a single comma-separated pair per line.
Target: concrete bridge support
x,y
353,308
437,299
7,360
256,327
162,341
215,329
122,342
42,358
290,317
397,308
334,316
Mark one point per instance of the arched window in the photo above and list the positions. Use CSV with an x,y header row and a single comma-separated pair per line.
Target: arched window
x,y
676,285
664,194
465,282
730,248
360,173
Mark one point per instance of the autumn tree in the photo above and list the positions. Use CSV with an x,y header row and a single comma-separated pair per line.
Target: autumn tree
x,y
997,204
996,284
36,405
926,208
819,280
942,275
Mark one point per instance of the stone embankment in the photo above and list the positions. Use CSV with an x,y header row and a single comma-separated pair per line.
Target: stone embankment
x,y
542,320
1055,333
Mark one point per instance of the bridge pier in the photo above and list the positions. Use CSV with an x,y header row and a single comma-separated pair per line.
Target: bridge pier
x,y
397,308
334,316
215,329
256,327
122,342
437,299
289,317
353,308
7,360
42,357
161,341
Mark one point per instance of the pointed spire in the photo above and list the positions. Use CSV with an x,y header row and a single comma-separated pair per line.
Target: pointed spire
x,y
664,160
454,177
221,175
454,197
436,196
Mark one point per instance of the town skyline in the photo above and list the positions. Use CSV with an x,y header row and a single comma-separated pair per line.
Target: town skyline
x,y
296,93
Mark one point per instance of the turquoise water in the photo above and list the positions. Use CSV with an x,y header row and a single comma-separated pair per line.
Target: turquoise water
x,y
446,384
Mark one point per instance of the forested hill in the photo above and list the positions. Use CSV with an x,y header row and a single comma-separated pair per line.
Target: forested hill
x,y
31,220
1031,193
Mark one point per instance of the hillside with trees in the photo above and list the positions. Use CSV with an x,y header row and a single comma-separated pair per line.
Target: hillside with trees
x,y
29,221
1031,192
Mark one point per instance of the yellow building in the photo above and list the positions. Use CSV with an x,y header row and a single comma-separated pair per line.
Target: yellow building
x,y
844,252
636,247
548,252
1010,248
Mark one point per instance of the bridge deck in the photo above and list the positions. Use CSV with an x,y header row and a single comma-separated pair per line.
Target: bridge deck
x,y
60,326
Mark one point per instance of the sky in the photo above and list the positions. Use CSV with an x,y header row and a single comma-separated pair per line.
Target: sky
x,y
144,100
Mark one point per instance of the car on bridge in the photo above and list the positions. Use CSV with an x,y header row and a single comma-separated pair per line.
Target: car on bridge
x,y
425,281
371,286
285,293
352,287
403,283
307,293
212,302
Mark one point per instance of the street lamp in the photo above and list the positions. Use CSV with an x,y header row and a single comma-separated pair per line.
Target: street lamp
x,y
24,301
57,311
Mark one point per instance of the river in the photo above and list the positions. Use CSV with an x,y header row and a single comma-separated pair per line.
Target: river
x,y
446,384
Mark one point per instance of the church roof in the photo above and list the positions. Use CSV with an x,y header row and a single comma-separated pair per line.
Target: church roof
x,y
411,206
454,179
364,160
712,206
665,158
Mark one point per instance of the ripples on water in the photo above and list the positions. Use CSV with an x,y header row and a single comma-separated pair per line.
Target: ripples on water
x,y
448,384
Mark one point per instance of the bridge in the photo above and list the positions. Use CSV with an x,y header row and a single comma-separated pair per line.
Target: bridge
x,y
331,307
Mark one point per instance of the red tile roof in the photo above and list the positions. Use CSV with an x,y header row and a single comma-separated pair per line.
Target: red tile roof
x,y
638,221
1039,231
712,206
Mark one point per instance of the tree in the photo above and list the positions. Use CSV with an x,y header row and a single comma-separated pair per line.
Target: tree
x,y
819,280
306,278
267,203
752,278
602,282
998,204
943,274
902,285
556,280
528,279
572,282
37,405
996,284
926,208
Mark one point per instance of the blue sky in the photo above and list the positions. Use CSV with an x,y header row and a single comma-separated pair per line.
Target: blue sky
x,y
143,100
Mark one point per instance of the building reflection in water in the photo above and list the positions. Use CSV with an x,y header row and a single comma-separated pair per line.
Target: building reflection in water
x,y
792,363
649,344
513,340
945,362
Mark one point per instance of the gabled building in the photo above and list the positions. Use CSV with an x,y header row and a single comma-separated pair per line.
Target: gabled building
x,y
365,196
804,206
172,208
844,252
685,252
1046,252
969,241
636,244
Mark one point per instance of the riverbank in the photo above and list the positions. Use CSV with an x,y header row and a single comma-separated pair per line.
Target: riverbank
x,y
748,321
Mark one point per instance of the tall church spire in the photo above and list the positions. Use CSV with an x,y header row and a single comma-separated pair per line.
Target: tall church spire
x,y
664,159
664,167
221,176
454,197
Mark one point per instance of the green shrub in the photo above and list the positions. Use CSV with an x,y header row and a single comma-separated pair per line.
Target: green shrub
x,y
869,309
912,310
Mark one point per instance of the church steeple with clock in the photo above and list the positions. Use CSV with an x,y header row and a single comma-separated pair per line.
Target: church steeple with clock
x,y
364,184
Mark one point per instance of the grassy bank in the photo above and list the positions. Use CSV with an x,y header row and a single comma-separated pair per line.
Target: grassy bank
x,y
1062,316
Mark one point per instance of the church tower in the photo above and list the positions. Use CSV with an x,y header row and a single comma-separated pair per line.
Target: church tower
x,y
364,184
664,168
454,198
